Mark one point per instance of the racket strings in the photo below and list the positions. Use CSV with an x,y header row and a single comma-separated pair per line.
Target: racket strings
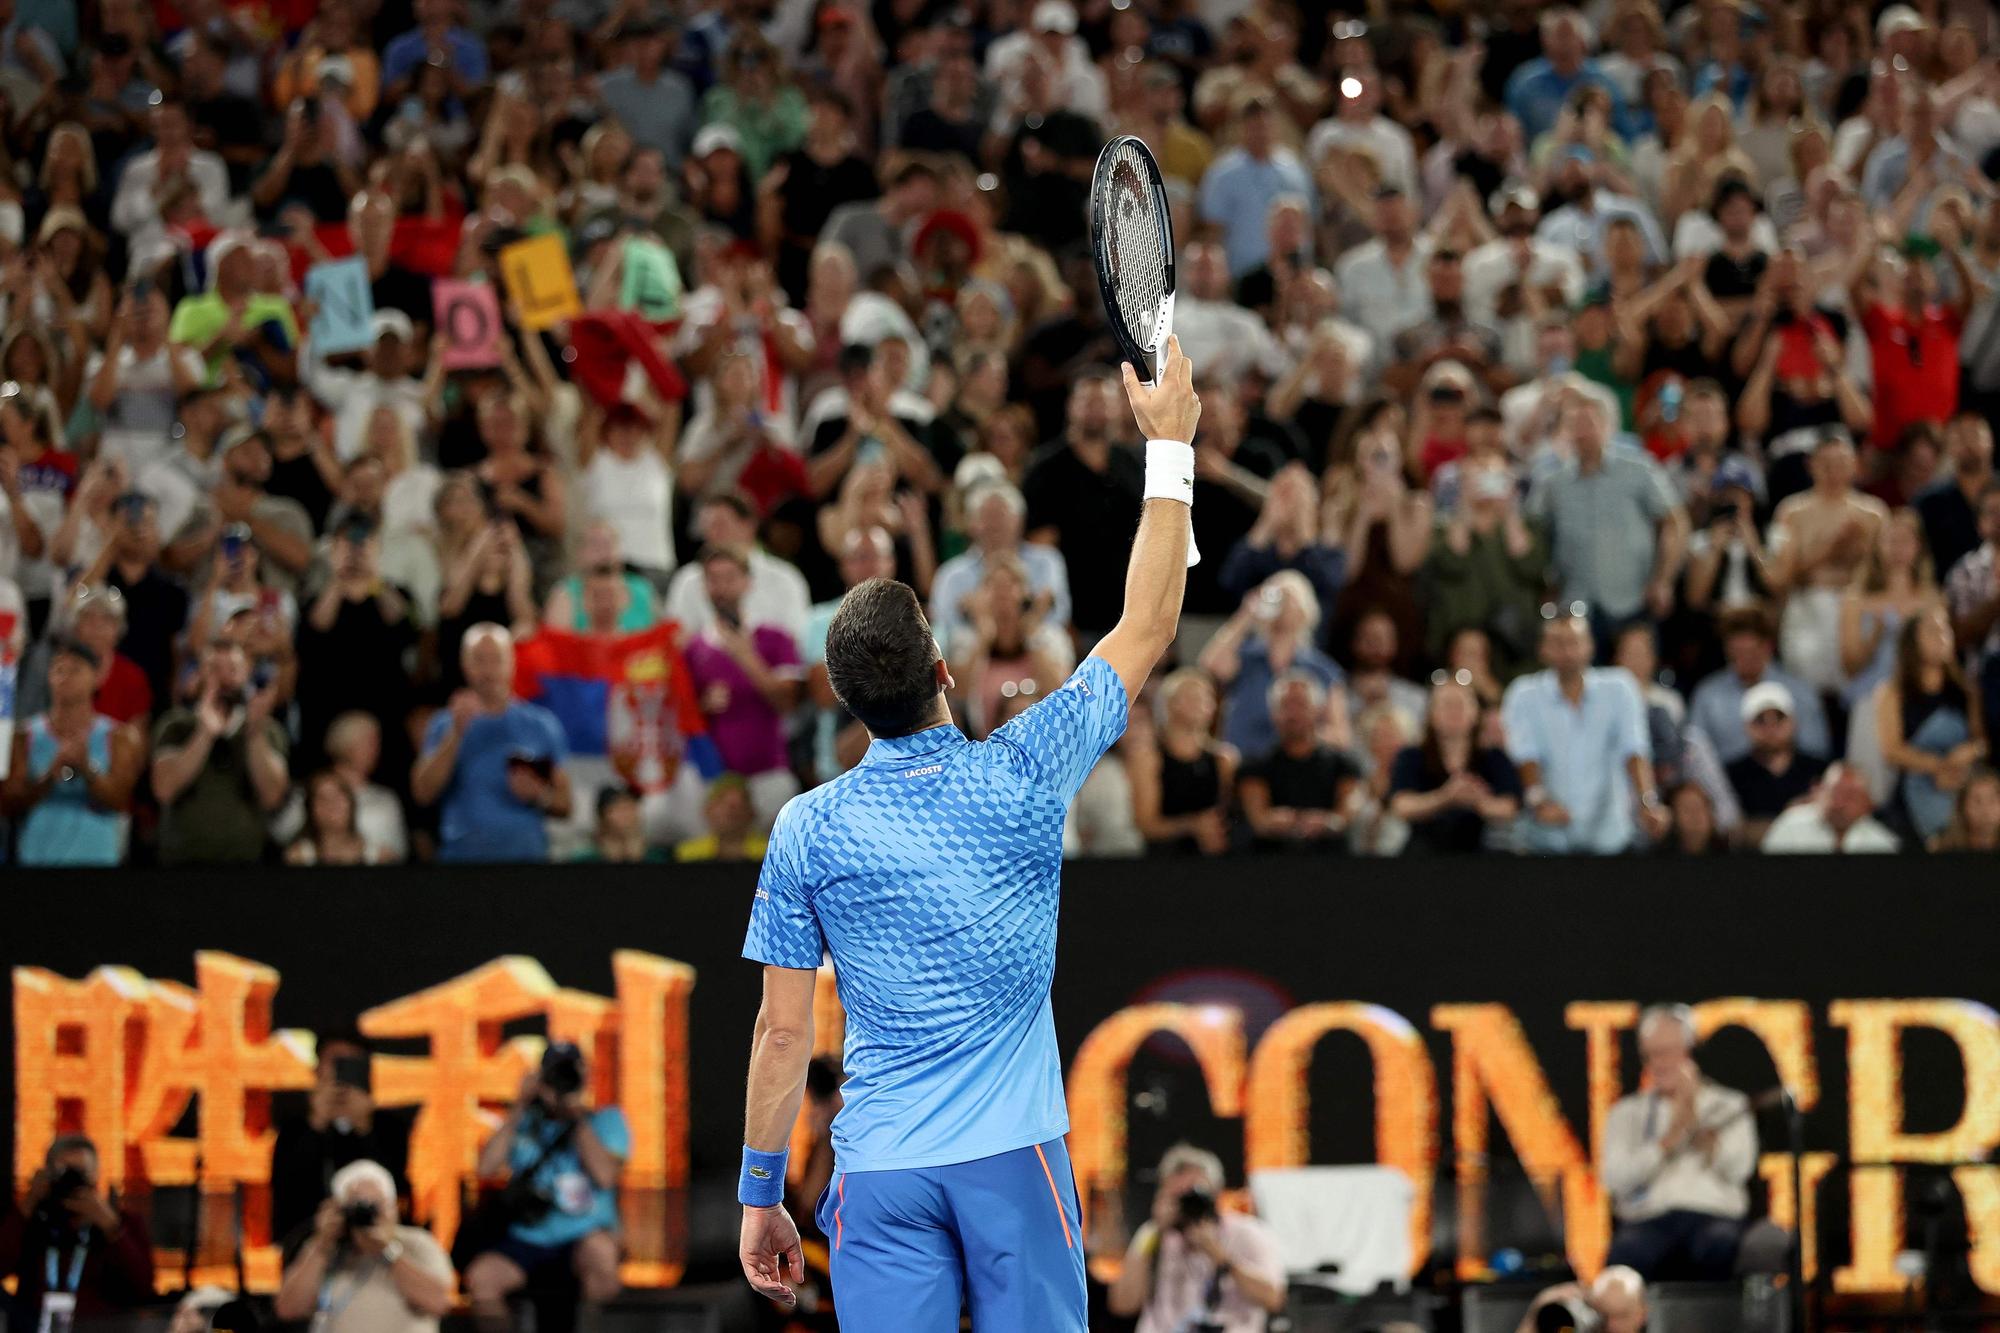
x,y
1136,238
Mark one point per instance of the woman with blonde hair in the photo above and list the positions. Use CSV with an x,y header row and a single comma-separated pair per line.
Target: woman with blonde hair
x,y
598,182
1184,780
1895,583
1777,103
1705,153
69,174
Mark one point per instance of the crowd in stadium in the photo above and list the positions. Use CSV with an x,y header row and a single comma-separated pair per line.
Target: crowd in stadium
x,y
1596,450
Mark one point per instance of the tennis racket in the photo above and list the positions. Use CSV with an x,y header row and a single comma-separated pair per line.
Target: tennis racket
x,y
1132,235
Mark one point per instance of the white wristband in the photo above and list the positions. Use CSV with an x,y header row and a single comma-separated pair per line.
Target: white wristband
x,y
1170,471
1170,476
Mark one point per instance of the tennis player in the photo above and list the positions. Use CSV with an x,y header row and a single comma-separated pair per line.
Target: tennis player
x,y
929,873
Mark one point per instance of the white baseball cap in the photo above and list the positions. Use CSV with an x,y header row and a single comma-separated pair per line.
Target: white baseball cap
x,y
713,137
1768,697
1054,16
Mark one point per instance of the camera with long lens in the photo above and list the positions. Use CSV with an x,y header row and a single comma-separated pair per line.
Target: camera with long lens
x,y
1567,1316
360,1216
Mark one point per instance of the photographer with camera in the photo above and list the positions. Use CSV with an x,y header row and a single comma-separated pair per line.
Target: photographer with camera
x,y
362,1272
561,1161
1192,1268
1615,1302
72,1253
341,1126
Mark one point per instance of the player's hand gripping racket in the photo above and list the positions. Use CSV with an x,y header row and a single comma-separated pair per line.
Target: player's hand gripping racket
x,y
1132,237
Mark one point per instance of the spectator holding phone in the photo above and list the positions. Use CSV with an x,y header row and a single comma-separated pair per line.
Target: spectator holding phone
x,y
494,762
341,1125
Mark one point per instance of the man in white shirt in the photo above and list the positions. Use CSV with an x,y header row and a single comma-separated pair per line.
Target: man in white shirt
x,y
147,177
353,395
777,597
1191,1264
1223,338
1677,1160
1358,122
1382,282
1078,85
1836,820
1517,258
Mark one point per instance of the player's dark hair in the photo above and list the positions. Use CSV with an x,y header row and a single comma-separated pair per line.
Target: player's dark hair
x,y
881,659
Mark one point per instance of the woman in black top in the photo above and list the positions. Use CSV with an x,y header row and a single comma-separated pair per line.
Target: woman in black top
x,y
1929,722
1446,787
1183,781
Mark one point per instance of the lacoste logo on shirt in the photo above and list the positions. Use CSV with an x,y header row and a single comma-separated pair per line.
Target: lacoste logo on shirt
x,y
923,772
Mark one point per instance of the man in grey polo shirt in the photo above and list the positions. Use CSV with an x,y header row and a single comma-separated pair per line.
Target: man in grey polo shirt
x,y
1616,529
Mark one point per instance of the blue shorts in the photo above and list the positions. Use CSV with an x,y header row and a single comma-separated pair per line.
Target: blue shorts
x,y
1001,1235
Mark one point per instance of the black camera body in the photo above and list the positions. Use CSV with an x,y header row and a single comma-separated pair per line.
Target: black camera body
x,y
562,1069
1567,1316
360,1216
65,1185
1196,1206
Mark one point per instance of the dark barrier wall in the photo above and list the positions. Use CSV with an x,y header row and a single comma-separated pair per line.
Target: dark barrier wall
x,y
1467,1021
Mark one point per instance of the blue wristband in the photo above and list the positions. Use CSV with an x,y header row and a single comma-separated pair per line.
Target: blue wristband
x,y
763,1181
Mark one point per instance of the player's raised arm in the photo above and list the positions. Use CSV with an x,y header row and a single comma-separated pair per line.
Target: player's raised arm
x,y
1156,578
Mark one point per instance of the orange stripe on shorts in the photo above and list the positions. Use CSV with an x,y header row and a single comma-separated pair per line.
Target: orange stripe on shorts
x,y
1049,1176
840,1193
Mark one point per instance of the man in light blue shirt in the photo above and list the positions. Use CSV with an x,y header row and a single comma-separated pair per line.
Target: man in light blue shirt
x,y
1583,225
1537,91
930,873
1578,735
1749,643
1241,185
1887,169
995,515
435,37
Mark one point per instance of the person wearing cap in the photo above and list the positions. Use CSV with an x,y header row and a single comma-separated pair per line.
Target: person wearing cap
x,y
232,320
1773,774
362,1270
1239,188
387,377
73,769
1749,644
1050,41
1517,258
653,101
1727,564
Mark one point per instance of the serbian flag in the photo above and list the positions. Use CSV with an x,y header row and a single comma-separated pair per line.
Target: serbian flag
x,y
626,697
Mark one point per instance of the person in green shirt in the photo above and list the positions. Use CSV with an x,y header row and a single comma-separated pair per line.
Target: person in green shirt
x,y
768,115
234,320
